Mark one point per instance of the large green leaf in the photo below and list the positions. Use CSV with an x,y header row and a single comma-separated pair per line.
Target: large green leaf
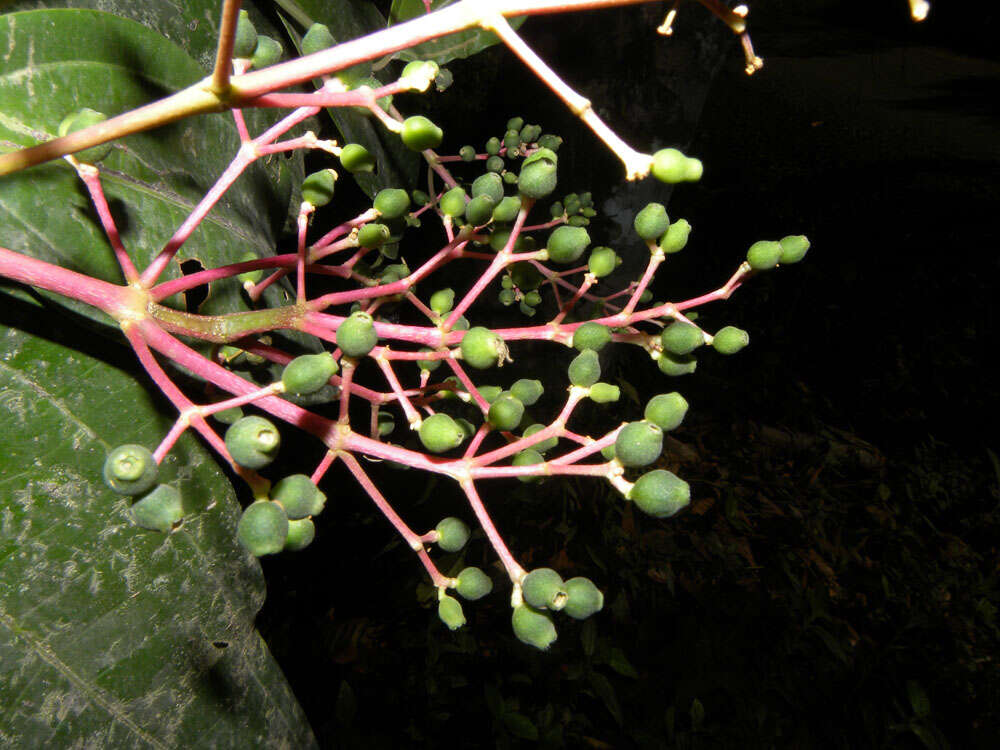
x,y
60,60
455,46
110,635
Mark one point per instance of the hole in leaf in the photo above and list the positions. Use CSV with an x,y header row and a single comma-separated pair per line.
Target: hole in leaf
x,y
193,297
220,644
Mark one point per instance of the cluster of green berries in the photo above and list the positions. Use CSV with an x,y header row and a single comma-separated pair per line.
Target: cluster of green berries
x,y
544,593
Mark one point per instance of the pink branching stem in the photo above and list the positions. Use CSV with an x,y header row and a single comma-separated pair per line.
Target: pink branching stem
x,y
323,467
515,571
547,225
241,66
412,539
113,299
654,262
339,231
588,282
590,449
553,430
347,370
540,470
180,426
723,292
477,440
91,178
470,387
307,141
166,289
300,267
412,416
329,96
416,302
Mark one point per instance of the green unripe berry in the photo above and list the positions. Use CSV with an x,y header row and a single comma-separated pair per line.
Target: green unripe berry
x,y
267,52
660,493
249,276
392,203
317,38
507,209
528,457
299,496
639,444
245,40
530,133
84,118
652,222
764,255
356,158
670,165
730,340
440,433
537,177
301,533
608,452
525,276
527,391
681,338
420,197
450,612
550,142
490,393
604,393
385,422
676,237
452,534
533,627
253,442
566,244
543,588
591,336
373,235
479,210
462,324
585,599
130,470
442,301
317,188
453,202
493,146
666,410
532,299
507,297
423,72
473,584
263,528
578,221
585,369
482,348
159,510
356,334
495,165
419,133
488,184
308,373
793,248
602,261
428,364
230,415
545,445
468,153
676,364
505,413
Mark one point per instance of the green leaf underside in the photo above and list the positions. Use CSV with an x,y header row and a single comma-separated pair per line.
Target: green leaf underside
x,y
110,635
452,47
152,180
397,165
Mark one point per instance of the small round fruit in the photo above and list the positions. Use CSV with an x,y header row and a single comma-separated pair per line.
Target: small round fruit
x,y
318,187
317,38
308,373
507,209
253,442
527,391
666,410
681,338
764,255
440,433
793,248
263,528
591,336
730,340
585,369
537,177
468,153
84,118
453,202
356,158
392,203
442,301
473,584
419,133
566,244
544,445
676,237
299,496
482,348
543,588
450,612
670,165
245,41
373,235
452,533
676,364
267,52
533,627
356,334
660,493
159,510
526,277
651,222
130,470
479,210
505,413
489,184
639,444
604,393
301,532
584,600
493,146
528,457
603,261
